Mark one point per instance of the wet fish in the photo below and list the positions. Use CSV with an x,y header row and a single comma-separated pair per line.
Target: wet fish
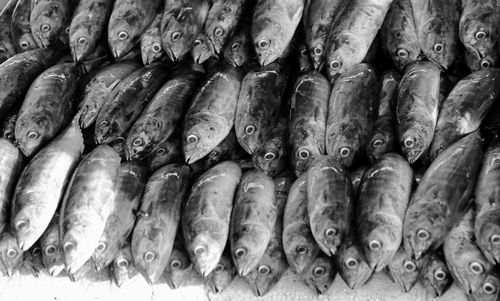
x,y
351,264
356,176
329,203
308,114
11,165
52,253
123,267
8,128
211,114
167,152
222,152
22,37
222,275
305,63
151,44
352,34
49,19
417,108
7,47
434,274
206,215
182,22
32,261
403,270
11,255
179,266
88,273
41,186
476,63
443,195
128,21
239,49
202,49
352,111
490,286
320,275
45,107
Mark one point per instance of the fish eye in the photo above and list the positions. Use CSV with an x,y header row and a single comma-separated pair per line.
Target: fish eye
x,y
240,252
123,35
439,275
67,29
219,32
318,271
489,288
250,129
495,239
45,27
481,35
197,42
199,250
378,142
69,246
11,253
485,64
192,138
301,250
119,140
439,47
32,135
176,36
264,269
50,250
330,232
269,156
344,152
409,142
24,44
122,263
138,142
36,251
409,266
103,124
318,50
303,154
161,151
82,40
149,256
101,246
20,225
375,245
156,47
2,50
423,234
476,267
351,263
402,53
335,64
235,46
264,44
176,264
219,268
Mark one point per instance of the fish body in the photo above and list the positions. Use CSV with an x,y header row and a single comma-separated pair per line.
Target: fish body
x,y
11,165
404,270
151,44
20,27
52,253
435,274
48,20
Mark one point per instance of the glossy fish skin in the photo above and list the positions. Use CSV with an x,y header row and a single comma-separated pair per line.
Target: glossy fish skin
x,y
167,152
273,26
19,72
127,100
308,115
211,114
329,203
320,275
383,197
399,35
179,266
222,276
239,49
182,22
434,274
163,113
417,109
130,183
47,103
151,44
48,20
159,215
52,253
99,87
352,34
465,108
272,157
202,49
41,186
11,165
123,267
206,215
128,21
352,111
404,270
7,47
22,37
351,263
489,287
11,255
437,28
440,199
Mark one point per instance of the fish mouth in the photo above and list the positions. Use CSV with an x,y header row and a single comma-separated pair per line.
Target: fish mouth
x,y
144,273
170,283
170,54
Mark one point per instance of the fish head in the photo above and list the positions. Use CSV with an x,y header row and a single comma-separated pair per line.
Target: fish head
x,y
478,30
328,227
300,247
265,275
105,131
414,143
33,260
488,235
122,266
317,53
202,50
147,259
345,145
47,26
435,275
76,247
104,252
11,255
249,136
202,135
25,43
178,270
140,143
352,266
303,156
489,289
178,34
380,240
469,269
437,43
477,61
247,248
122,37
222,275
165,153
405,49
52,254
270,160
151,46
305,63
320,275
6,50
25,229
404,270
380,142
205,252
80,41
269,43
31,134
341,57
239,50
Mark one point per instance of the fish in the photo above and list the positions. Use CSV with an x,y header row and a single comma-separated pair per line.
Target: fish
x,y
273,26
202,49
304,60
42,184
352,34
320,275
158,220
222,152
179,267
98,89
434,274
167,152
352,111
11,166
463,111
151,43
437,29
22,38
89,274
489,287
383,138
181,24
129,187
329,203
239,48
7,47
259,105
403,270
163,113
356,176
476,63
8,128
48,20
45,107
52,253
351,264
467,264
127,100
298,241
32,262
399,35
123,267
308,115
206,215
129,19
222,275
417,109
211,114
11,255
443,194
382,200
87,204
252,220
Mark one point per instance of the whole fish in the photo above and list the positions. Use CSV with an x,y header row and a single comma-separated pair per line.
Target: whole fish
x,y
383,138
45,107
159,215
442,196
167,152
49,20
123,267
465,108
163,113
404,270
252,220
329,203
437,28
259,105
19,72
127,100
11,165
352,111
222,275
128,21
202,49
151,44
129,187
434,274
308,114
211,114
383,197
239,49
320,275
179,266
7,46
41,185
467,264
98,89
304,60
223,151
206,215
182,22
417,108
399,35
352,34
351,264
273,26
489,290
11,255
22,38
87,204
52,253
356,177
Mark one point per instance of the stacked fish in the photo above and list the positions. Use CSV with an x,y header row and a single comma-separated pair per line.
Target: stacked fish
x,y
230,137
